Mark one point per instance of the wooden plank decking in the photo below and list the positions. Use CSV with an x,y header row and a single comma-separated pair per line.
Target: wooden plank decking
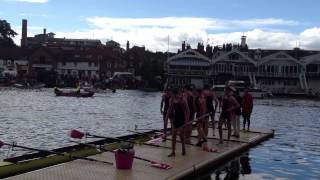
x,y
196,161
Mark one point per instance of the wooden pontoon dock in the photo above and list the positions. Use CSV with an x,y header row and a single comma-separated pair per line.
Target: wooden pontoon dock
x,y
195,162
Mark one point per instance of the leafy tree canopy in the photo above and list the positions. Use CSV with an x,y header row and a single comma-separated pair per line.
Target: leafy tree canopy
x,y
6,34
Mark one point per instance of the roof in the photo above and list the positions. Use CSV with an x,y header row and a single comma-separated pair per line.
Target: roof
x,y
189,57
279,56
223,56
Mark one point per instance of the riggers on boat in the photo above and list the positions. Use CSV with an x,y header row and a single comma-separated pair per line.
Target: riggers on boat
x,y
73,93
30,162
197,160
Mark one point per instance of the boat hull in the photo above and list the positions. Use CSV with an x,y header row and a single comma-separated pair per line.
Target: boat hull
x,y
73,93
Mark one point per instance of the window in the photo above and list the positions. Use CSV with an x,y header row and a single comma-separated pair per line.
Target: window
x,y
42,59
281,56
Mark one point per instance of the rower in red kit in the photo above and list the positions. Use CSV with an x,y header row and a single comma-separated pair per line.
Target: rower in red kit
x,y
179,107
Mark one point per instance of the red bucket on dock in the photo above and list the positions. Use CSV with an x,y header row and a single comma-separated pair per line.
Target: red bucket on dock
x,y
124,160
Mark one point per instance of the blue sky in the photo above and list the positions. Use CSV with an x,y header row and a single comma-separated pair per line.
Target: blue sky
x,y
273,24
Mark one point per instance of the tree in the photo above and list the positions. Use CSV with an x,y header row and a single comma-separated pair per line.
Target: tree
x,y
6,34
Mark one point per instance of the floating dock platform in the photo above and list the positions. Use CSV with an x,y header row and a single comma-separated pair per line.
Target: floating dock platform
x,y
195,162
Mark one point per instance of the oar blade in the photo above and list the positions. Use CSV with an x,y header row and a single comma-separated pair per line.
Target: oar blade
x,y
160,165
76,134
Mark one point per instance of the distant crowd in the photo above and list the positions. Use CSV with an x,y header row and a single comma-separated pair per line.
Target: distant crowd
x,y
182,107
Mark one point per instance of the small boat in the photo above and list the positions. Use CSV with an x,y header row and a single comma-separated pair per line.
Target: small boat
x,y
240,86
73,93
27,85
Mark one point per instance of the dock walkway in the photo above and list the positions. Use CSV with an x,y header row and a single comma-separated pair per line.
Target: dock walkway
x,y
194,162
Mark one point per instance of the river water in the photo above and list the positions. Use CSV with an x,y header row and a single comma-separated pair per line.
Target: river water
x,y
38,118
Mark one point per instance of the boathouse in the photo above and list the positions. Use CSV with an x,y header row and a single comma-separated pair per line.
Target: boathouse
x,y
281,73
188,67
312,64
233,65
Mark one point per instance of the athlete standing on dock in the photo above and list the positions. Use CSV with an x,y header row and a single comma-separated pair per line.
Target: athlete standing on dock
x,y
178,105
229,105
237,113
188,94
201,109
210,97
164,109
247,106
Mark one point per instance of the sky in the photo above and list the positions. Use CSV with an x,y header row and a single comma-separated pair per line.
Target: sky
x,y
268,24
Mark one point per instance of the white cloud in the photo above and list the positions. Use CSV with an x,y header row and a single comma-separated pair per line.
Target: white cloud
x,y
32,1
153,32
185,22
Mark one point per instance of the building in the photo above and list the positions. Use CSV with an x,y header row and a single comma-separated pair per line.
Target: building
x,y
14,62
277,71
49,40
188,67
312,67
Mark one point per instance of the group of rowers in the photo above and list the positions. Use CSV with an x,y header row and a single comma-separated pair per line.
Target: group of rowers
x,y
185,106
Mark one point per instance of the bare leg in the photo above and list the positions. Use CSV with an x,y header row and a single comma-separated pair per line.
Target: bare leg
x,y
206,126
229,128
174,138
234,126
213,124
238,126
165,124
201,134
220,123
182,133
188,131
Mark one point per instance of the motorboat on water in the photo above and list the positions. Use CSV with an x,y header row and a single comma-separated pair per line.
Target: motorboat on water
x,y
73,93
240,86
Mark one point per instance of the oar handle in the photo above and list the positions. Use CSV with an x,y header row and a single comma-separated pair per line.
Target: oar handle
x,y
118,139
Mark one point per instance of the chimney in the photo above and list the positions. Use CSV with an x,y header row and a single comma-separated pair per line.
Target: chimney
x,y
44,31
128,46
243,41
24,33
183,46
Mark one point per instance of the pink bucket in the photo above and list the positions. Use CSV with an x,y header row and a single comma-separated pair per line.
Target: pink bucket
x,y
124,160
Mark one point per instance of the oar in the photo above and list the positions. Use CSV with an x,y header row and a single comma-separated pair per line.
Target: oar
x,y
152,163
145,134
232,140
79,135
54,152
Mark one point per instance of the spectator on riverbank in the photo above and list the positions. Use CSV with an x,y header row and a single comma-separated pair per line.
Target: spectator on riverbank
x,y
247,106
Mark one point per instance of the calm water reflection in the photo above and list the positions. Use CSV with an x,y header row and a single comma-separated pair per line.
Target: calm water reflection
x,y
294,152
39,119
